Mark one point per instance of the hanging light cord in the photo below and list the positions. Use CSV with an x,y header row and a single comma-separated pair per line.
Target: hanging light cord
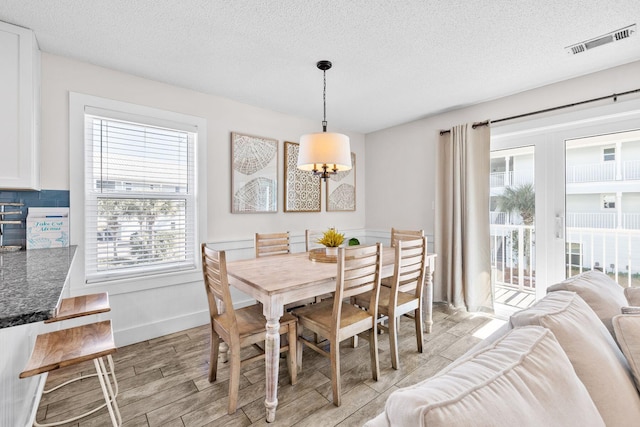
x,y
324,101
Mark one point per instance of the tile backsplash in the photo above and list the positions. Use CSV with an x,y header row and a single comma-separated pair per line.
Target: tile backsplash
x,y
16,234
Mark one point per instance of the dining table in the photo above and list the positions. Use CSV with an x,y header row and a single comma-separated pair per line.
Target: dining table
x,y
282,279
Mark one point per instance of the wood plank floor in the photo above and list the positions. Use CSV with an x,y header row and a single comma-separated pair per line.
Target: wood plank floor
x,y
163,382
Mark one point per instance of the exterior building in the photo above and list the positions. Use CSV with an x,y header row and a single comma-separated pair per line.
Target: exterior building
x,y
602,210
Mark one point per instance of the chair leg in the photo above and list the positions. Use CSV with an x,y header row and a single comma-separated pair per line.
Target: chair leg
x,y
373,350
234,378
299,349
292,358
213,357
354,341
335,371
419,329
393,341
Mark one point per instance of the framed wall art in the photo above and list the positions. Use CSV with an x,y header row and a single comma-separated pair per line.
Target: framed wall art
x,y
341,189
254,171
301,188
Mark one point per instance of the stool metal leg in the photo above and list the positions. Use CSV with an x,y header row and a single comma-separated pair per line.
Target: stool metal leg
x,y
105,384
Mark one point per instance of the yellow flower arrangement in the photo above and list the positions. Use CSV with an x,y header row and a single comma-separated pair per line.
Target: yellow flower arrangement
x,y
331,238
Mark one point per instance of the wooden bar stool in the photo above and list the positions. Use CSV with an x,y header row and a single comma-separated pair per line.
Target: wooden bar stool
x,y
71,346
80,306
83,305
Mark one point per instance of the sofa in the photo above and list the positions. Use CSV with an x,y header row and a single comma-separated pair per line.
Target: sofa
x,y
571,359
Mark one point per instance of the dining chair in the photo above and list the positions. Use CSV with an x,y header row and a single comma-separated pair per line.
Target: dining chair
x,y
310,239
401,235
404,235
336,319
238,328
404,297
268,244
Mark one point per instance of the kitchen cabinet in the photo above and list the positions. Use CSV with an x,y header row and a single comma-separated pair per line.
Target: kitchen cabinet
x,y
19,108
32,283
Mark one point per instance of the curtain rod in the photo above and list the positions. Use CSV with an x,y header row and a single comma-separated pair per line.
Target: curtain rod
x,y
546,110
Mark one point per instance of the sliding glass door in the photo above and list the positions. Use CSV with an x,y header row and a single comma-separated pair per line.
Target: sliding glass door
x,y
565,198
512,216
603,205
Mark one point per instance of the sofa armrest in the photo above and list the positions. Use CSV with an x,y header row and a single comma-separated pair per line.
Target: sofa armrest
x,y
633,295
631,310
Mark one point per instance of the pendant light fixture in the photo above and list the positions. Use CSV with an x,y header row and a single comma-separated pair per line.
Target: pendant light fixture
x,y
324,153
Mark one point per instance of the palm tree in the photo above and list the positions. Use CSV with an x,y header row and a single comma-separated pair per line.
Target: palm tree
x,y
520,200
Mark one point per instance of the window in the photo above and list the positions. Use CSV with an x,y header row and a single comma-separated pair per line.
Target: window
x,y
608,201
574,254
609,154
140,211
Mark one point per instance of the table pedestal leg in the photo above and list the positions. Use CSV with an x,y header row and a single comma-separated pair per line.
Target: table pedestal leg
x,y
272,359
429,298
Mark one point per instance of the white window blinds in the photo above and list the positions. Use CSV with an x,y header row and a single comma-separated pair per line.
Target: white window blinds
x,y
139,195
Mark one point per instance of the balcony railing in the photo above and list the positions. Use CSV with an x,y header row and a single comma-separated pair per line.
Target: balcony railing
x,y
631,221
605,171
615,252
499,217
591,220
595,172
609,220
511,179
513,256
631,169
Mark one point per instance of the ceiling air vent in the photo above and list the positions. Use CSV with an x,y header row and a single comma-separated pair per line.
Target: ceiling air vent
x,y
613,36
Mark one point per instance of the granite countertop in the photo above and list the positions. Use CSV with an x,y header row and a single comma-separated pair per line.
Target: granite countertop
x,y
31,283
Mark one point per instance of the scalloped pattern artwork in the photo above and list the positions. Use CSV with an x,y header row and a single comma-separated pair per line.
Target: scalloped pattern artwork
x,y
251,154
254,196
341,189
254,184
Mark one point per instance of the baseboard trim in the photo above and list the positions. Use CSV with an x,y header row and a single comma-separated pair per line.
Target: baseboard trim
x,y
150,330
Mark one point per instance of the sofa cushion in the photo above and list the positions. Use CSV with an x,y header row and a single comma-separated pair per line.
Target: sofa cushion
x,y
627,328
592,351
602,293
633,296
522,379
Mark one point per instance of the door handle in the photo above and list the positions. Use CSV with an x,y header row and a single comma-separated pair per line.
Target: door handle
x,y
559,226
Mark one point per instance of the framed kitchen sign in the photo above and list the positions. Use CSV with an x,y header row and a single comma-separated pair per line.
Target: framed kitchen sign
x,y
341,189
254,170
301,188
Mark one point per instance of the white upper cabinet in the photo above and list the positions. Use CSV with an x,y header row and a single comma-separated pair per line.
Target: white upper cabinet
x,y
19,108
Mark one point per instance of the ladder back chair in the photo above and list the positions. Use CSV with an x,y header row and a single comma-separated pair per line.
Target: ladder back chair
x,y
401,235
336,319
404,235
310,239
238,328
268,244
404,297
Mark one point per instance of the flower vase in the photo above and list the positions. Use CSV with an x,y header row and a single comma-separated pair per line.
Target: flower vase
x,y
331,251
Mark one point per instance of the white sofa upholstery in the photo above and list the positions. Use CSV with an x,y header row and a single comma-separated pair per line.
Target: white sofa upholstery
x,y
555,364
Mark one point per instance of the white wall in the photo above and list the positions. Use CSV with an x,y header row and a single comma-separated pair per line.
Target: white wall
x,y
140,313
401,160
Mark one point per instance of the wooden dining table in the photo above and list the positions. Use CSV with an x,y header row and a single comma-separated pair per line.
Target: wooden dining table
x,y
282,279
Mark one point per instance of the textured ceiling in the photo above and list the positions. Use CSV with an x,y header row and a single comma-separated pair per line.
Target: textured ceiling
x,y
394,61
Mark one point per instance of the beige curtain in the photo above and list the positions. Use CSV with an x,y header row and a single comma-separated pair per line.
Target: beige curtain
x,y
462,241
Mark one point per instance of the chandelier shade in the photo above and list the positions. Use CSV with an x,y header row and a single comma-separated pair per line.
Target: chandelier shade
x,y
324,153
324,148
